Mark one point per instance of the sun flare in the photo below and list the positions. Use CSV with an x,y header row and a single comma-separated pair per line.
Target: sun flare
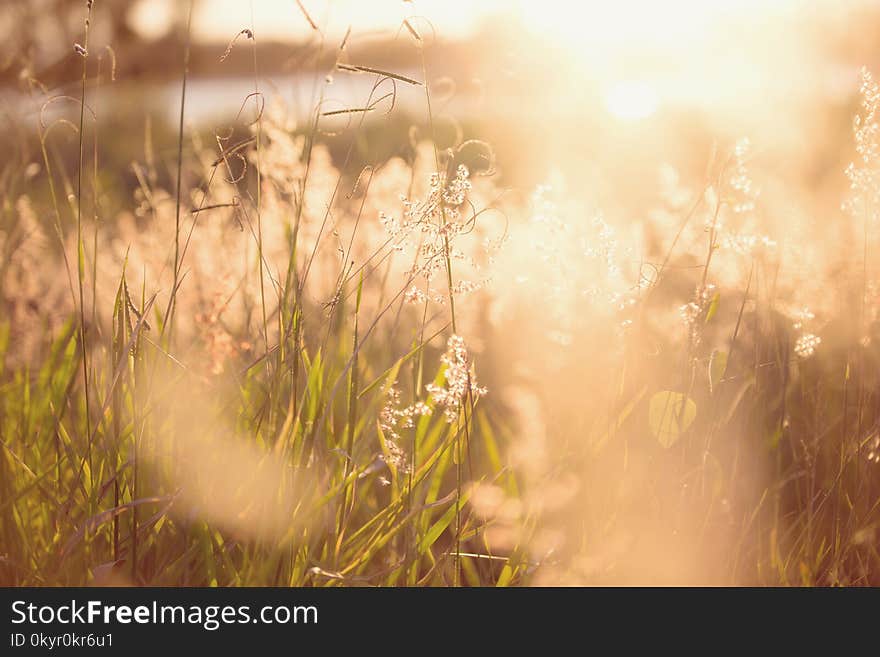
x,y
631,100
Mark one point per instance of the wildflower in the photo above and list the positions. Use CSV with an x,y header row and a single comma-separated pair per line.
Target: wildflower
x,y
432,230
466,287
388,414
806,345
740,186
738,196
455,192
874,448
414,295
807,341
605,249
743,243
864,175
436,221
802,317
392,418
692,311
396,457
460,380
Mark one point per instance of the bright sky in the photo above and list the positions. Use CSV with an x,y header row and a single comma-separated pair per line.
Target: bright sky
x,y
283,20
644,52
589,23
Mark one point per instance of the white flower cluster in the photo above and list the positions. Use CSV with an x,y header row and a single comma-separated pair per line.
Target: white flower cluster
x,y
461,382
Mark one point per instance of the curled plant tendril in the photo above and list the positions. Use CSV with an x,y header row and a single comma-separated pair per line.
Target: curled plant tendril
x,y
246,32
112,54
262,107
488,156
350,112
443,89
232,178
56,99
232,149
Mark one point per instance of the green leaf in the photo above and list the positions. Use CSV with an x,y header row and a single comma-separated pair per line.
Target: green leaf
x,y
440,526
774,439
505,577
717,368
357,306
669,415
713,306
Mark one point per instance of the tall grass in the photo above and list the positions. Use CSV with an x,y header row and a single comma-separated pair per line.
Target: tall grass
x,y
282,381
278,477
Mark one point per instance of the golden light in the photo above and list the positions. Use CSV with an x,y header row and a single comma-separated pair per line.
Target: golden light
x,y
151,19
596,26
631,100
640,215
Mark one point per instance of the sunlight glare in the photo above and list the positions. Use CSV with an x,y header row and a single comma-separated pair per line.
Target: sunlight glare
x,y
593,26
631,100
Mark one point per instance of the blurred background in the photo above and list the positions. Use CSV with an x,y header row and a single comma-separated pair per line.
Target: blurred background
x,y
552,84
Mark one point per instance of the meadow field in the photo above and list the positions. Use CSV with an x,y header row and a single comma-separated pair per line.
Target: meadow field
x,y
570,296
